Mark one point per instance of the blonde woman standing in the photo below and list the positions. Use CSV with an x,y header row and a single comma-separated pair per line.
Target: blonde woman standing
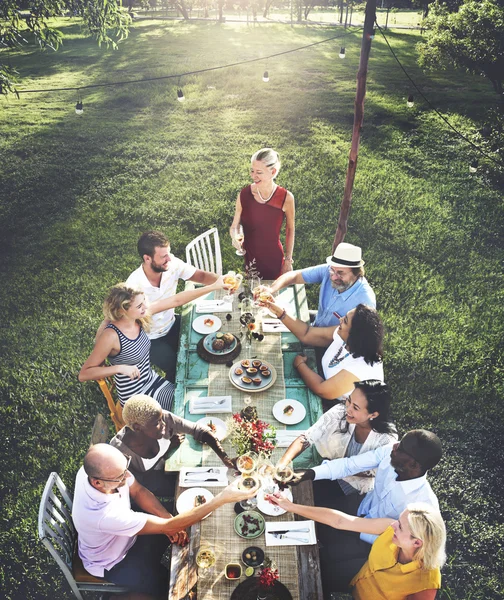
x,y
260,210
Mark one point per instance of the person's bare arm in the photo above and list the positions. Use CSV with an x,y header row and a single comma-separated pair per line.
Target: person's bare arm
x,y
187,296
290,231
236,222
314,336
204,277
329,389
93,368
213,442
333,518
101,328
289,278
295,449
158,525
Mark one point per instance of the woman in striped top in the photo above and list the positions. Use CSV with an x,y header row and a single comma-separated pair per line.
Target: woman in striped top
x,y
125,344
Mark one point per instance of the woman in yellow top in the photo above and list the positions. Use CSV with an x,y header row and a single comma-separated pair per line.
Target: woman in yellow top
x,y
404,562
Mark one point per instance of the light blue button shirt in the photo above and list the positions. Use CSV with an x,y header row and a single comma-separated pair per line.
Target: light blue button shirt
x,y
389,496
330,300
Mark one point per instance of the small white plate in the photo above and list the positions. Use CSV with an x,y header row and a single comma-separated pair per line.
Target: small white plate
x,y
297,415
272,509
200,327
220,427
186,499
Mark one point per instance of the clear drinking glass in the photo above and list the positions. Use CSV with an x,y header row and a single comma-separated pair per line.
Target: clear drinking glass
x,y
283,473
247,463
249,482
205,559
234,281
239,237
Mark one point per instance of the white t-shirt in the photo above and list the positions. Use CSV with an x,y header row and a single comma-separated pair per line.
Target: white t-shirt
x,y
357,366
161,322
106,525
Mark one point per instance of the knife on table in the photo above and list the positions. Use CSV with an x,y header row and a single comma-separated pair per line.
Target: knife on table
x,y
202,480
305,530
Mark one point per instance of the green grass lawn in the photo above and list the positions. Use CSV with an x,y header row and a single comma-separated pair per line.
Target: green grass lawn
x,y
76,192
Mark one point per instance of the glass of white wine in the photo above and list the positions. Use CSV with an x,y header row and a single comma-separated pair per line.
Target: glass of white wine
x,y
283,473
205,559
233,280
239,237
249,482
246,463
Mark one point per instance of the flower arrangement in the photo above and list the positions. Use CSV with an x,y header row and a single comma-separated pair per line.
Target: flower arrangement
x,y
248,433
267,577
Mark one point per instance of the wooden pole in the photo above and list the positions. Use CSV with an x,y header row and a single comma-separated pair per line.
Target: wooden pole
x,y
367,36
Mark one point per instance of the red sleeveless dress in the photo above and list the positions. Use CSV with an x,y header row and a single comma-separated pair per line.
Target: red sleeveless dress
x,y
261,227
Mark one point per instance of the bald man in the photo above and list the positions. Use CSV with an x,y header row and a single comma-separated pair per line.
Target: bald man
x,y
123,546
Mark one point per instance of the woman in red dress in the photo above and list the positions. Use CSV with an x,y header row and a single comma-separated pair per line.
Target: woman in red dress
x,y
260,210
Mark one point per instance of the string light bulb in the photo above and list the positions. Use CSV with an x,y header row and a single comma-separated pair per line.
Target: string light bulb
x,y
180,95
79,108
411,101
342,52
473,167
265,76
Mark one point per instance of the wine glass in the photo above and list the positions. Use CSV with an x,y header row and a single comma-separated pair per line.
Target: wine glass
x,y
205,559
246,463
248,482
238,237
233,280
266,472
283,474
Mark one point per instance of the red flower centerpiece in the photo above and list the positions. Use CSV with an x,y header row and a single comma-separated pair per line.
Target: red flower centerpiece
x,y
266,580
248,433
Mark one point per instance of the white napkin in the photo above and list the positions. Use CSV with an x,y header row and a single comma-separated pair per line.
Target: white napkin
x,y
273,326
213,306
293,527
285,437
210,404
203,476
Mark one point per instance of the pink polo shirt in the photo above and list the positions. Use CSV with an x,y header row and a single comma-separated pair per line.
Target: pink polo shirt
x,y
105,523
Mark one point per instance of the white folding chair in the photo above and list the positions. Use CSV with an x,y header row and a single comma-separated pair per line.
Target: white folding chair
x,y
204,252
57,533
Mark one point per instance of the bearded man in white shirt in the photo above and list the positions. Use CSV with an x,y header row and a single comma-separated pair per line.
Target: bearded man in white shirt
x,y
157,277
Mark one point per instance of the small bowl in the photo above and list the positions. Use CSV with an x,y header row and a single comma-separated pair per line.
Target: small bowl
x,y
233,571
251,562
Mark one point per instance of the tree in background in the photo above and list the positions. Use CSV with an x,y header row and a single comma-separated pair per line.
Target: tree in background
x,y
471,38
105,19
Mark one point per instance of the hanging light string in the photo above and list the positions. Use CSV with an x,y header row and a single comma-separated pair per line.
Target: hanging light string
x,y
161,78
432,107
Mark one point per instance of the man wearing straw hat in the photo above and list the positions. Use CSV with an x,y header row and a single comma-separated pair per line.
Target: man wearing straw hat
x,y
342,284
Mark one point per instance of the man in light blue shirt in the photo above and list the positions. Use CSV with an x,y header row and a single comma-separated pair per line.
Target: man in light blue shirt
x,y
342,284
401,478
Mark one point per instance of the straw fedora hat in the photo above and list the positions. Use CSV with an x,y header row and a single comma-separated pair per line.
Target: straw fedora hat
x,y
346,255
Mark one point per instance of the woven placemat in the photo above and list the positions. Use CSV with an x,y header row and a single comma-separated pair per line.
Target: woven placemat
x,y
217,359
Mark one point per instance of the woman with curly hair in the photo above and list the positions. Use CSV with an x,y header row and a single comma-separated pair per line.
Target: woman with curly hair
x,y
124,343
355,353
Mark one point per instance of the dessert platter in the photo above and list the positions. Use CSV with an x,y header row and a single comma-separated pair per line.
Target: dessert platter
x,y
252,375
220,343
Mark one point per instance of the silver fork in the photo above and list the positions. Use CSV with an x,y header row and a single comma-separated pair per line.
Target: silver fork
x,y
211,470
209,403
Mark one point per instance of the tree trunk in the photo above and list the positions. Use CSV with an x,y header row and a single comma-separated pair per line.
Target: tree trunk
x,y
183,9
358,120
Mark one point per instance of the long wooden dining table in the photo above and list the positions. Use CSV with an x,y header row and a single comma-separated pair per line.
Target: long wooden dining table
x,y
298,566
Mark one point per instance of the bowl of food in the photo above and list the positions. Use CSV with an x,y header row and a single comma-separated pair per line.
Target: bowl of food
x,y
253,556
233,571
249,524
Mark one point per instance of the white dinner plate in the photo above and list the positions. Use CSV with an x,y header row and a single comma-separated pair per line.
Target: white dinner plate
x,y
186,499
272,509
297,415
200,326
220,431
